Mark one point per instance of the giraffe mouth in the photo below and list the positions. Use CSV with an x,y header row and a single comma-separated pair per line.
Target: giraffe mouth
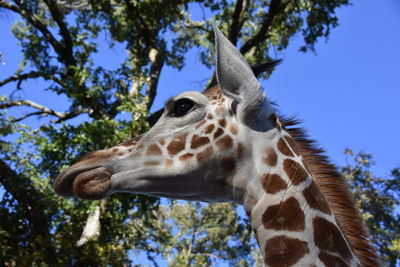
x,y
85,182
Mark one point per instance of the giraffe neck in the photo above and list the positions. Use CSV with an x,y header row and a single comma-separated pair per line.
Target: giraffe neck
x,y
291,218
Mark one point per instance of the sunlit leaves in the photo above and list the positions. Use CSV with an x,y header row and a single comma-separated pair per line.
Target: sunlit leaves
x,y
379,200
194,234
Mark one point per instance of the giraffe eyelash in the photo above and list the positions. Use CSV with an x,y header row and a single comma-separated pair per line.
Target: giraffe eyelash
x,y
168,103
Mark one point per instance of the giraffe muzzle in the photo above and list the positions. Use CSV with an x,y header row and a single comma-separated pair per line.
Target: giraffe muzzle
x,y
85,182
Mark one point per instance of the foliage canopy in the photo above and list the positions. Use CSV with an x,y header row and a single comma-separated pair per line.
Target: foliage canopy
x,y
59,41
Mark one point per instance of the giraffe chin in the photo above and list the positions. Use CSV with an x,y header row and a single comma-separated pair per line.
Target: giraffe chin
x,y
92,185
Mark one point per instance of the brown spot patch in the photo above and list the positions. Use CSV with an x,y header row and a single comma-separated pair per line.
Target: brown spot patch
x,y
240,150
151,163
234,129
177,144
209,128
198,141
209,116
331,260
225,142
97,155
170,162
129,143
284,148
273,183
198,125
162,142
295,171
114,150
271,158
222,122
328,237
315,199
133,141
186,157
282,251
218,133
205,154
292,144
153,150
228,164
286,215
219,111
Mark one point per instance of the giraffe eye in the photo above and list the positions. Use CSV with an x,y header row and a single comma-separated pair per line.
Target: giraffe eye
x,y
182,107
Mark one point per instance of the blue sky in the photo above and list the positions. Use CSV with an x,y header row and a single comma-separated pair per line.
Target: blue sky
x,y
347,93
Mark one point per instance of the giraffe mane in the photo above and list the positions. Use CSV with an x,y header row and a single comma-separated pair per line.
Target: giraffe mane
x,y
336,191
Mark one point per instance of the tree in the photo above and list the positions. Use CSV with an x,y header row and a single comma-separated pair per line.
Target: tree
x,y
197,235
379,201
59,41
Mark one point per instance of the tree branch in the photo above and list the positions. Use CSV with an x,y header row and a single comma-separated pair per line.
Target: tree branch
x,y
237,20
38,24
21,77
32,19
275,7
92,228
27,115
157,58
9,6
59,19
62,116
207,255
32,74
195,27
149,35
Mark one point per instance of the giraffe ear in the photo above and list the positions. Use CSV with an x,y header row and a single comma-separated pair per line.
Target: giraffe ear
x,y
236,79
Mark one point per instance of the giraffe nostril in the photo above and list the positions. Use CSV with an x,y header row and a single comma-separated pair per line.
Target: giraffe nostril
x,y
93,184
63,185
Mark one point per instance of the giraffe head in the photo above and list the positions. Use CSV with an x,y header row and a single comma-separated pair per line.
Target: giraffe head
x,y
198,150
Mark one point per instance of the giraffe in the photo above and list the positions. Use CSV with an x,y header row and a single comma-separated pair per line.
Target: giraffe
x,y
228,144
